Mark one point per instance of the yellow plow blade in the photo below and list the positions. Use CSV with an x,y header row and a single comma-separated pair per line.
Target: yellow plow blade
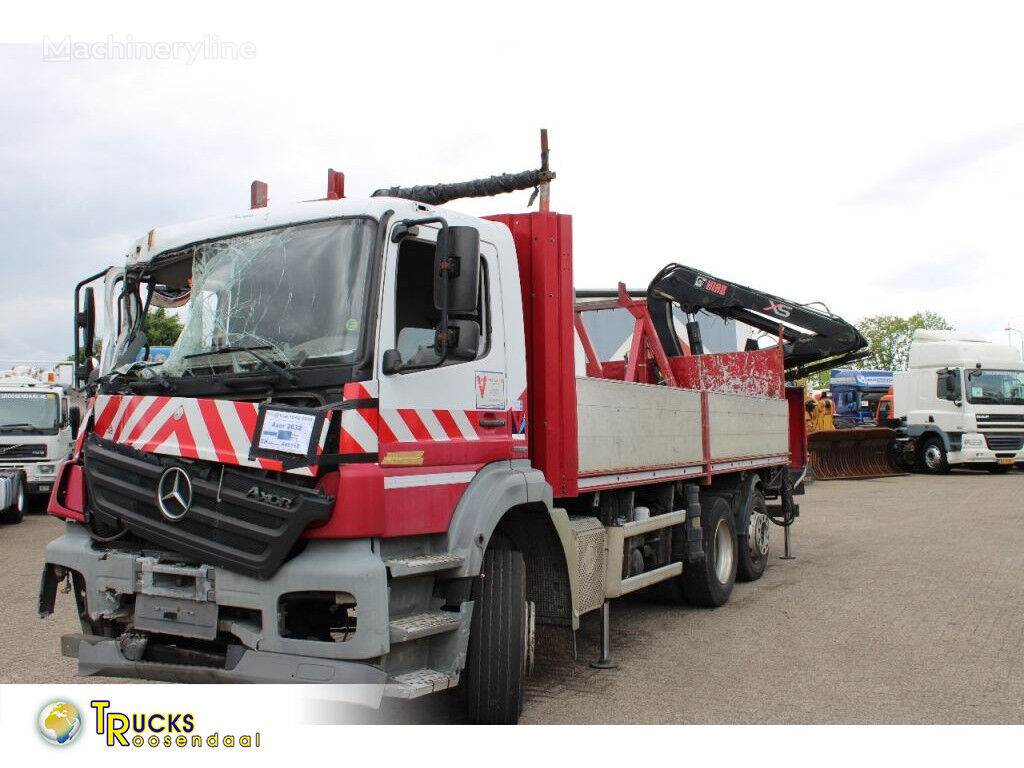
x,y
851,454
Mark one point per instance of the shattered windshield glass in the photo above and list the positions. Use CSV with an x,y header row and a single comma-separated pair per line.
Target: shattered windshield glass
x,y
294,294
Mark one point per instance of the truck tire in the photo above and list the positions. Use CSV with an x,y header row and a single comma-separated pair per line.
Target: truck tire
x,y
931,457
496,661
752,549
14,513
709,582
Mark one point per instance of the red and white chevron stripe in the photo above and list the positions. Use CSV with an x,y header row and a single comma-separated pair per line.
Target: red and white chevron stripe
x,y
363,430
417,425
207,429
359,425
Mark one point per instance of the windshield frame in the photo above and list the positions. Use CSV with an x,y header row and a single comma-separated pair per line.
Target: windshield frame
x,y
985,399
310,374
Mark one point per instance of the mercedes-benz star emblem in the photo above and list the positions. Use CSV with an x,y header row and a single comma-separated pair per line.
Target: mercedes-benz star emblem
x,y
174,493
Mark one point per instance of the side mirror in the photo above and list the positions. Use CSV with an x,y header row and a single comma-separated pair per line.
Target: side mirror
x,y
457,269
463,339
391,363
75,421
85,332
949,385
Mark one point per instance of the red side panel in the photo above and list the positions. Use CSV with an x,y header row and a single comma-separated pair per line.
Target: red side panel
x,y
757,373
797,427
67,499
544,248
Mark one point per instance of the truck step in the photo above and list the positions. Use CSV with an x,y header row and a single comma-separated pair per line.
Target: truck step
x,y
633,583
411,685
416,565
423,625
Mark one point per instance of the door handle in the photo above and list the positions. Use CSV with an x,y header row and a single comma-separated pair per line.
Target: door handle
x,y
491,421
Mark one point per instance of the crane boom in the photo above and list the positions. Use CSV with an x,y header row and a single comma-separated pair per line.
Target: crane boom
x,y
813,340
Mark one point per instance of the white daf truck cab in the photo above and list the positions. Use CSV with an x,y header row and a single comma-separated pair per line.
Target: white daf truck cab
x,y
961,402
37,425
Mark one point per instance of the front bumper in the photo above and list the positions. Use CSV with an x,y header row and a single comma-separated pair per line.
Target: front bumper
x,y
244,611
103,656
984,450
37,481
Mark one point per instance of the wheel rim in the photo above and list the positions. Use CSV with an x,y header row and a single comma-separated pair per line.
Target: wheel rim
x,y
757,534
724,552
933,456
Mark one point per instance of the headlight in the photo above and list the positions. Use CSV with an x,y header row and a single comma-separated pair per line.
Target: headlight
x,y
46,469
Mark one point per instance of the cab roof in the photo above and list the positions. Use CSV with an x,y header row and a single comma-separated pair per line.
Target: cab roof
x,y
173,237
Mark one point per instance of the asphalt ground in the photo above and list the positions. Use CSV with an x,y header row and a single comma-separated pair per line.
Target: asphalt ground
x,y
904,605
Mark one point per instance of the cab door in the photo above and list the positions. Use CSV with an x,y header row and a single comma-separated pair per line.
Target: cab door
x,y
439,422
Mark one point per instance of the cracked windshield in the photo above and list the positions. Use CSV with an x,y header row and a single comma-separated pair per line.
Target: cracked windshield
x,y
292,296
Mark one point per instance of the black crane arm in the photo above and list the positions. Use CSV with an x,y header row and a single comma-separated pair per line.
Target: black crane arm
x,y
813,340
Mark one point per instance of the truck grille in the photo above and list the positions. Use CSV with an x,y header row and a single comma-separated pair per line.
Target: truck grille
x,y
1004,442
234,521
990,419
23,451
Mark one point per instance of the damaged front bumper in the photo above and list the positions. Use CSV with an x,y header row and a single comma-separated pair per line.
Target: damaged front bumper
x,y
150,615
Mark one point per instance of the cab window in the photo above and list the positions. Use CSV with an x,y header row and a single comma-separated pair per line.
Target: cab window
x,y
416,318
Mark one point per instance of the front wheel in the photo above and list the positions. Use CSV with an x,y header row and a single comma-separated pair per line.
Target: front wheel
x,y
499,640
16,512
932,457
752,549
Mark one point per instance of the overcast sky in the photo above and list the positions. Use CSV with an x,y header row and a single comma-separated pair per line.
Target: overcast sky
x,y
858,154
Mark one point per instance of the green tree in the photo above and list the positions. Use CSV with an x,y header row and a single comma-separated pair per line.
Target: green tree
x,y
890,337
161,329
819,380
97,349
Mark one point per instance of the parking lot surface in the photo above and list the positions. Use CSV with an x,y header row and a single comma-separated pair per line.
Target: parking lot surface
x,y
904,605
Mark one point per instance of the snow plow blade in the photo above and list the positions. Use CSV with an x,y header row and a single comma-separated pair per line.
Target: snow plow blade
x,y
853,454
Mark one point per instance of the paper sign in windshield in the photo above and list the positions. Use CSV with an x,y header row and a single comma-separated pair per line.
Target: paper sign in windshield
x,y
287,432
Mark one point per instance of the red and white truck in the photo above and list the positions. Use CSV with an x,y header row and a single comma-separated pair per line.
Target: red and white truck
x,y
383,448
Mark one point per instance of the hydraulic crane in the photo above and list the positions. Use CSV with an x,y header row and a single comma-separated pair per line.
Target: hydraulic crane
x,y
813,340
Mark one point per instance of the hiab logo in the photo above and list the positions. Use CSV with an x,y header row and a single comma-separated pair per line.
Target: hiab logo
x,y
162,730
711,285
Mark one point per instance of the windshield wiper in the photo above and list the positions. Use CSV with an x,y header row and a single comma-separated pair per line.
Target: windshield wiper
x,y
33,427
228,351
279,371
155,378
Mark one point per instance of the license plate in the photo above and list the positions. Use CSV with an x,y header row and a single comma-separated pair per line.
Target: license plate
x,y
170,616
1006,461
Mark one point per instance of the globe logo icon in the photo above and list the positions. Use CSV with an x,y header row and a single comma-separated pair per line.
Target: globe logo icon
x,y
59,722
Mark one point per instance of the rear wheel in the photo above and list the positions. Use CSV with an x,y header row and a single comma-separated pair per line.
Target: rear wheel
x,y
932,456
15,512
499,640
752,549
709,583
